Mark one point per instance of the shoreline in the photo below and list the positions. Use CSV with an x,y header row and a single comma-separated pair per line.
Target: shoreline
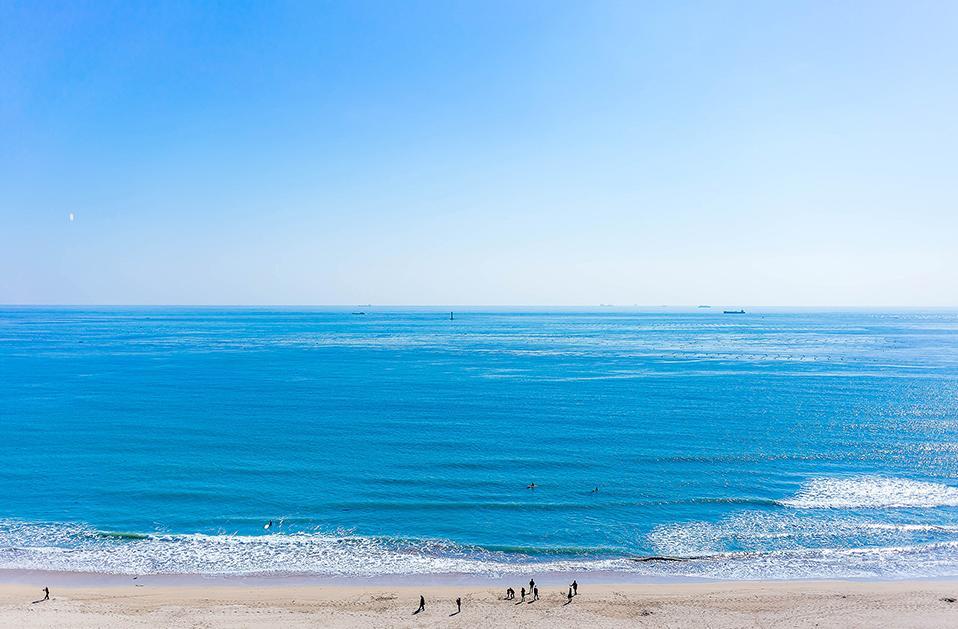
x,y
469,580
93,579
906,603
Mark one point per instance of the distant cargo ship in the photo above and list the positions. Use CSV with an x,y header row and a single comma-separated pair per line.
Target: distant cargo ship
x,y
733,311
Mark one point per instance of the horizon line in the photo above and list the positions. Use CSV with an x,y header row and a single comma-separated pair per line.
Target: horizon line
x,y
444,306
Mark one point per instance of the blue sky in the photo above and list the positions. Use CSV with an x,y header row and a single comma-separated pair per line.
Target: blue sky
x,y
765,153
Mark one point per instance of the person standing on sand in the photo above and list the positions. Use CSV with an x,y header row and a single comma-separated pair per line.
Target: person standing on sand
x,y
523,595
532,584
575,588
569,598
458,605
510,594
46,596
535,594
422,604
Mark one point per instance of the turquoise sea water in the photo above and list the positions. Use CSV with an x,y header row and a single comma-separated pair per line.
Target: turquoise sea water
x,y
769,444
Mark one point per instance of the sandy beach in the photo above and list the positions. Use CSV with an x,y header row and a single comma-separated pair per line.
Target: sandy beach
x,y
717,605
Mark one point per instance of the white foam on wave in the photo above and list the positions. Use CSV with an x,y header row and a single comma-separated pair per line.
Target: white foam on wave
x,y
761,531
900,562
770,545
872,492
78,548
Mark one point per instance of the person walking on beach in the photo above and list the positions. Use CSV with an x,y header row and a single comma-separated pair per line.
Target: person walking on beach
x,y
575,588
46,596
458,605
422,604
535,594
510,594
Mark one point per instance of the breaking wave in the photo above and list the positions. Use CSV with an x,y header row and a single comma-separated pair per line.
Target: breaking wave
x,y
872,492
80,548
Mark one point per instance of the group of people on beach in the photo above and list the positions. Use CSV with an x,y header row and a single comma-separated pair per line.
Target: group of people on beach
x,y
510,596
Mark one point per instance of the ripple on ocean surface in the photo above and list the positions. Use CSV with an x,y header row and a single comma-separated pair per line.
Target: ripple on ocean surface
x,y
784,442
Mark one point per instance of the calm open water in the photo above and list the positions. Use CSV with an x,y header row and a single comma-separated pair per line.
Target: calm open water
x,y
775,444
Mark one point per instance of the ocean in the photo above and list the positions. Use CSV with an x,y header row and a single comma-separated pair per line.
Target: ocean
x,y
770,444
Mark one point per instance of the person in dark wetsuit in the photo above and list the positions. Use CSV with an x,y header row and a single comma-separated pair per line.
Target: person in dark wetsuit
x,y
422,604
510,594
523,595
532,584
458,605
575,588
535,594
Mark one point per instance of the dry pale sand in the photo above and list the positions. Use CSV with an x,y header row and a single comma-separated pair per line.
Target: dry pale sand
x,y
776,604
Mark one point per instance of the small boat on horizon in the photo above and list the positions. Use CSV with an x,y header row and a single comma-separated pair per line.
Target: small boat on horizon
x,y
733,312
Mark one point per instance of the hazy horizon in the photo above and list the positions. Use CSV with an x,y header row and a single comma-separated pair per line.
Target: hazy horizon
x,y
797,155
757,308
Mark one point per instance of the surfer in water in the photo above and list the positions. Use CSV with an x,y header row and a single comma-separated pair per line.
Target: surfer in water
x,y
268,525
531,486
